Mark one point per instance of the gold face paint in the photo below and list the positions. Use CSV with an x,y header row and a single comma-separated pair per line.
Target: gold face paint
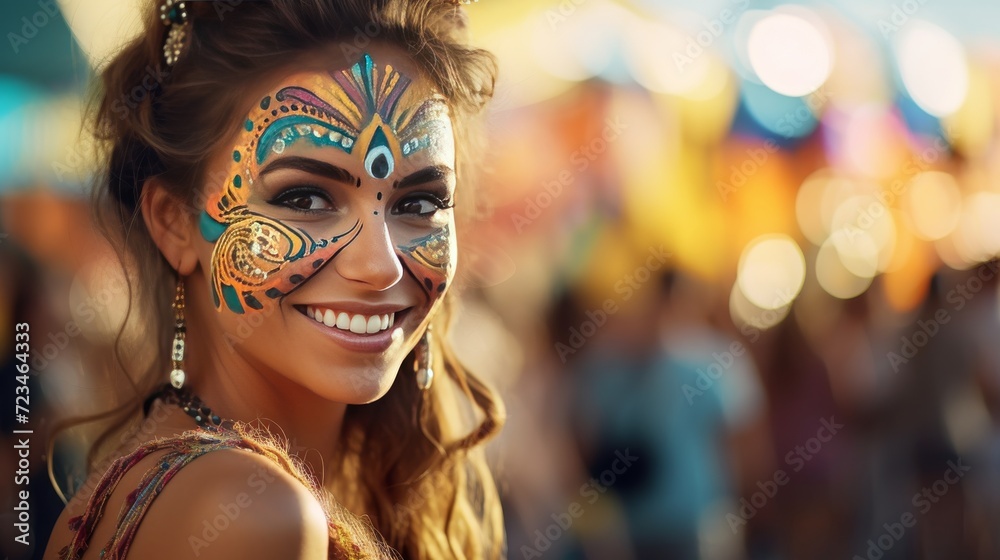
x,y
366,111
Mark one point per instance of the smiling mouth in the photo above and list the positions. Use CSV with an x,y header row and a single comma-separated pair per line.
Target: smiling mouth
x,y
356,323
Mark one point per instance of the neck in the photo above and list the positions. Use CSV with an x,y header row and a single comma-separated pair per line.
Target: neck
x,y
310,424
238,390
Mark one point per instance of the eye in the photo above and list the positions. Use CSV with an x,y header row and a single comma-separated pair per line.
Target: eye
x,y
304,199
423,205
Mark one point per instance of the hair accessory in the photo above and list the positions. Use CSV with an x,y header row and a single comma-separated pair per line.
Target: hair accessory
x,y
423,364
177,354
173,13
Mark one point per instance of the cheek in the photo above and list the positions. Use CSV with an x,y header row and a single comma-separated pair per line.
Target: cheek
x,y
257,260
430,258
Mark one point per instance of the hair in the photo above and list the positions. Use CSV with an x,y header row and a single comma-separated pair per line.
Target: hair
x,y
412,461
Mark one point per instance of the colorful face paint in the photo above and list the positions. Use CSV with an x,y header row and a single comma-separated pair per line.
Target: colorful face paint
x,y
366,111
431,257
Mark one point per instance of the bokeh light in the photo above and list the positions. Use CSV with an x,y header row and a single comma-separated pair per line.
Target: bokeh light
x,y
745,313
836,278
789,54
771,271
933,67
933,204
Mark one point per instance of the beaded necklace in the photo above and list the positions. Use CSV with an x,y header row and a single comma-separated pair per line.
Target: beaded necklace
x,y
193,407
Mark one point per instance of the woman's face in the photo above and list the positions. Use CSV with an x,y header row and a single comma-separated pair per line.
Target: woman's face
x,y
331,240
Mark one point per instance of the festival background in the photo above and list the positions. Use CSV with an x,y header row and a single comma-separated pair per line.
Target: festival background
x,y
734,276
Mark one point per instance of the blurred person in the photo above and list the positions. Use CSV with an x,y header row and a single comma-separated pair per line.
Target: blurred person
x,y
812,440
980,430
285,201
665,388
930,429
550,506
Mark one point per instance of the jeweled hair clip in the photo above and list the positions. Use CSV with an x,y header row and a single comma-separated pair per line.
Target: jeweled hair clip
x,y
173,13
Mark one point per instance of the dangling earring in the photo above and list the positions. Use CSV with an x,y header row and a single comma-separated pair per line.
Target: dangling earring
x,y
177,356
423,362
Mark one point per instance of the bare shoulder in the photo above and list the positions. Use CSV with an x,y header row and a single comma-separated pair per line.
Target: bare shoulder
x,y
229,503
233,504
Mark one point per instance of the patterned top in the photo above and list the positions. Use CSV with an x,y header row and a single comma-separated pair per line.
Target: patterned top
x,y
181,451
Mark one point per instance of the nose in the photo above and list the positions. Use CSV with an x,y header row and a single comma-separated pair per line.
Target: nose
x,y
371,258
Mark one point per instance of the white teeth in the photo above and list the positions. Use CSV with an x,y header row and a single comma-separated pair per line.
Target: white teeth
x,y
358,324
343,321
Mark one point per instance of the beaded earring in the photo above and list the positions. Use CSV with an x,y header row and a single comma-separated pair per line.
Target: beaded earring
x,y
177,355
423,362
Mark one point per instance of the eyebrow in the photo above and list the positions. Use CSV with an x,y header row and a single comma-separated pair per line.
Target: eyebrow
x,y
314,166
425,175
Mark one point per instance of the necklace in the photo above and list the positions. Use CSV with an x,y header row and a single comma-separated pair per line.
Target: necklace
x,y
193,407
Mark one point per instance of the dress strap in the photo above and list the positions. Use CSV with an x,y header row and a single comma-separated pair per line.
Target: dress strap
x,y
183,449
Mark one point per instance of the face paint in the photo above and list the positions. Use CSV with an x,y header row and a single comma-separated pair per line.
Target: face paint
x,y
366,111
432,256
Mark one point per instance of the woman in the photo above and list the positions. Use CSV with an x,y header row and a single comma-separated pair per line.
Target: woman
x,y
284,198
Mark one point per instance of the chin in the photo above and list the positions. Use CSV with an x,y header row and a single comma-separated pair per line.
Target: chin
x,y
361,385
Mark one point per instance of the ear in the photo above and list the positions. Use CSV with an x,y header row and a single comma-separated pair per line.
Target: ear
x,y
170,223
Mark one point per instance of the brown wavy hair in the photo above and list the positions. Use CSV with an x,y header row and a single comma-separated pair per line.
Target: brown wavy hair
x,y
411,461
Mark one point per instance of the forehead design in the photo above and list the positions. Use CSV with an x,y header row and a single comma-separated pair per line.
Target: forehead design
x,y
362,105
367,111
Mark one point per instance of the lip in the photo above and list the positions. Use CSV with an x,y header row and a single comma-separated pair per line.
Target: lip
x,y
367,343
